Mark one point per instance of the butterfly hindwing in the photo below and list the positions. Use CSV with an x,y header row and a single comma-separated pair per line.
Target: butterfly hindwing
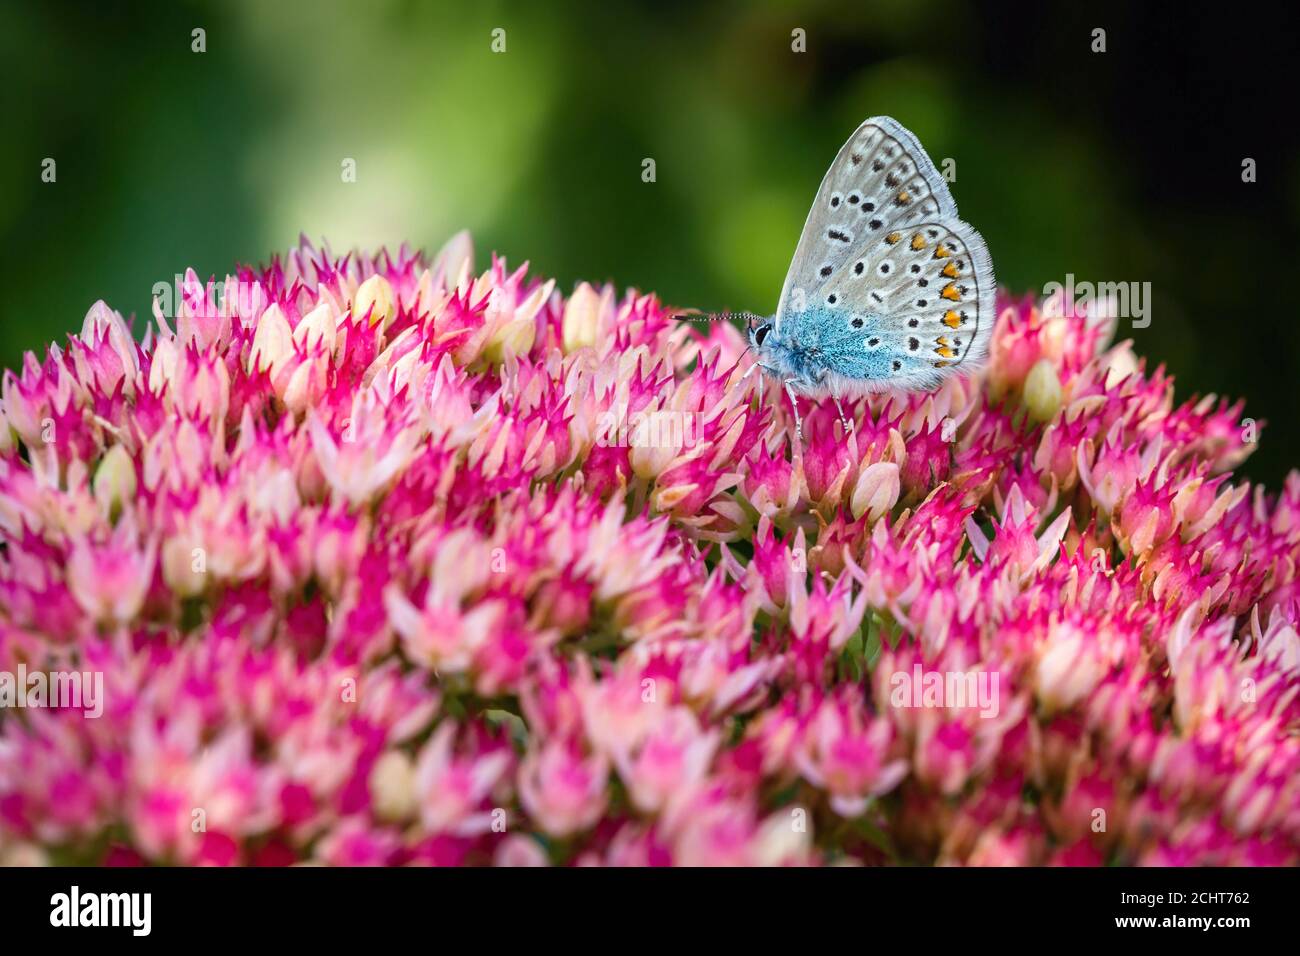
x,y
932,282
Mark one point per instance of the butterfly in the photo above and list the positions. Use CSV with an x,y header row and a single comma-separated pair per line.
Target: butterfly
x,y
888,289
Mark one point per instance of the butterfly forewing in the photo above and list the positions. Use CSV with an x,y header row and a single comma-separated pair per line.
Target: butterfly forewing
x,y
880,179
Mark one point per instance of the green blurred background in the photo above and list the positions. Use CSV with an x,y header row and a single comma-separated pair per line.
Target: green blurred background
x,y
1115,166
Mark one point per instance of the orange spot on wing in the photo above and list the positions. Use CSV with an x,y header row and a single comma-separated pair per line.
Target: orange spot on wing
x,y
950,293
940,252
951,319
893,237
918,241
951,270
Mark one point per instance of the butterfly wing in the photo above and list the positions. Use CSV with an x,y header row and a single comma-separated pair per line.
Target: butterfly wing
x,y
883,244
904,312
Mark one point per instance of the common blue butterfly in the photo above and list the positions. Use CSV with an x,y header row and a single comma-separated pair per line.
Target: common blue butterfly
x,y
888,289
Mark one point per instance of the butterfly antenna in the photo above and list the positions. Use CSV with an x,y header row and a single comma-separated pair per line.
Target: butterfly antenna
x,y
695,315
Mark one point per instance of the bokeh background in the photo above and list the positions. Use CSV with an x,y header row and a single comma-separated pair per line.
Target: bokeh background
x,y
1116,166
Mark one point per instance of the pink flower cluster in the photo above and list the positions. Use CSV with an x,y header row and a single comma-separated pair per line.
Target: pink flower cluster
x,y
383,561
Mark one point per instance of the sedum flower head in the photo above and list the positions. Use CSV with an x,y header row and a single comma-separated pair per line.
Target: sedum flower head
x,y
389,560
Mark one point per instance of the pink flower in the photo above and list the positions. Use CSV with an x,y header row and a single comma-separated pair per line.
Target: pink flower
x,y
110,581
670,762
847,754
561,789
451,793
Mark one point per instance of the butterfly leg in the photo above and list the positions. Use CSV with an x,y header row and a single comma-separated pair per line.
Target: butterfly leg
x,y
844,419
794,404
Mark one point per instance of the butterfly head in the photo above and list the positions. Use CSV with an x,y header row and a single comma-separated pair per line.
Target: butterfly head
x,y
771,354
760,331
